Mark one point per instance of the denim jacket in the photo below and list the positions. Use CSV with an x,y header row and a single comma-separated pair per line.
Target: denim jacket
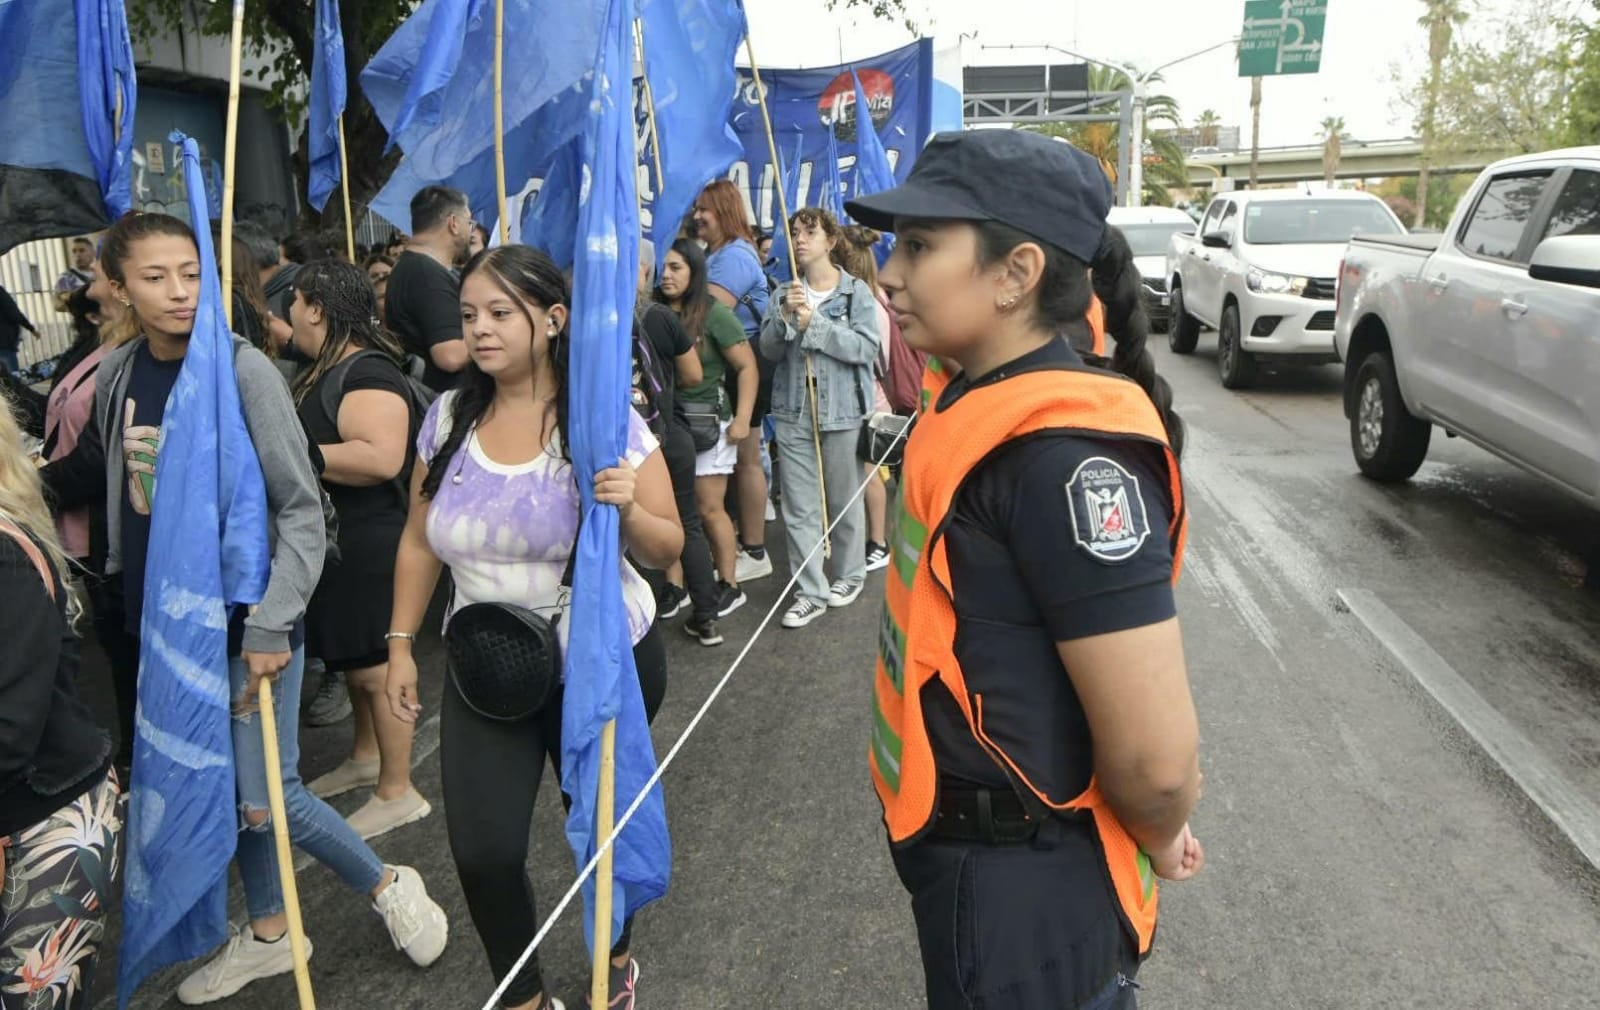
x,y
842,341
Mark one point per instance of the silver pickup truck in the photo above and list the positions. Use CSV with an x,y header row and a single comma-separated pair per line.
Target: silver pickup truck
x,y
1490,331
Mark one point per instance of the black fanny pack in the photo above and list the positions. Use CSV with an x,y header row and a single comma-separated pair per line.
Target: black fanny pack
x,y
883,439
705,425
505,660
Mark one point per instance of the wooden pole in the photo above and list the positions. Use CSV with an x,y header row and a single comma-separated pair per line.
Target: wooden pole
x,y
229,159
794,272
344,180
649,111
604,820
500,120
280,834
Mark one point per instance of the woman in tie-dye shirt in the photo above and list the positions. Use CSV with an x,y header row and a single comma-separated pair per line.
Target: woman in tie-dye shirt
x,y
494,497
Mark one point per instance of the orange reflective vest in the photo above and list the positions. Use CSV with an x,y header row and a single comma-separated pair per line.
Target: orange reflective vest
x,y
1095,317
917,635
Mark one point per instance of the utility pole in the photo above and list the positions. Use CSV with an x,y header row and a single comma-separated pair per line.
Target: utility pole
x,y
1255,131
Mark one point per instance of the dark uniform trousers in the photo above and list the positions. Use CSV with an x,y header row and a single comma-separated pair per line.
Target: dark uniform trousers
x,y
1025,926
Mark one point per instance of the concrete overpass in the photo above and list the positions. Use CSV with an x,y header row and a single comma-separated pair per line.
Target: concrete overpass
x,y
1360,160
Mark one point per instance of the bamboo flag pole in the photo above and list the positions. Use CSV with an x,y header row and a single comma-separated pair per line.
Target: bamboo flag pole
x,y
500,120
794,272
269,725
344,180
605,808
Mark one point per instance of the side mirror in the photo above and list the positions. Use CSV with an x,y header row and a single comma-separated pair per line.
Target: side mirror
x,y
1216,240
1569,259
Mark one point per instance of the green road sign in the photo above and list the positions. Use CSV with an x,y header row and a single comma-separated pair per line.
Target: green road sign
x,y
1282,37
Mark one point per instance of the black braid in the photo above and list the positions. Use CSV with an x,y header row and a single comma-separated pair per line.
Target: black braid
x,y
1116,283
350,309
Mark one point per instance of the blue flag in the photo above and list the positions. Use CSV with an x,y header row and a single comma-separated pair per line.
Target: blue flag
x,y
207,553
550,219
689,48
833,188
432,83
329,93
873,174
64,170
602,683
789,180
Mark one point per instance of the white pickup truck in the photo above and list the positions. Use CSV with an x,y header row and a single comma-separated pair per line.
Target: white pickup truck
x,y
1490,331
1261,272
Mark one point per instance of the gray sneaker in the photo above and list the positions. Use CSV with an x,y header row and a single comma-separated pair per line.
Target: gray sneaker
x,y
331,704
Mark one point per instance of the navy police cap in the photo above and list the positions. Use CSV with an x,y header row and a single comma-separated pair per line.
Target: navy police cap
x,y
1040,186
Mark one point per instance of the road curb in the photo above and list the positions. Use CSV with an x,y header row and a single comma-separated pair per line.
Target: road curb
x,y
1567,808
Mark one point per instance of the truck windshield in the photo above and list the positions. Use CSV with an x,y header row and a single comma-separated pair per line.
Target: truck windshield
x,y
1299,222
1151,239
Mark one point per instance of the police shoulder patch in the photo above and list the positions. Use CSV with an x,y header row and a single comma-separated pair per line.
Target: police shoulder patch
x,y
1109,520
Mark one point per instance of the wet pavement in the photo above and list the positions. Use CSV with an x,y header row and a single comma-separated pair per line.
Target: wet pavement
x,y
1364,851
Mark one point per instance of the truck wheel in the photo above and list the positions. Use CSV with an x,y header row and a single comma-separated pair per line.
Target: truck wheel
x,y
1389,442
1183,330
1235,365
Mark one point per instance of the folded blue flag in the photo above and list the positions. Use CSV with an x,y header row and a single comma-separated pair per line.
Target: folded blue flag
x,y
689,49
207,553
789,180
873,173
833,189
64,169
550,219
601,681
329,93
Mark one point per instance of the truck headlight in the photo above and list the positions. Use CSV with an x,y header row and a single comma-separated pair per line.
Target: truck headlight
x,y
1270,283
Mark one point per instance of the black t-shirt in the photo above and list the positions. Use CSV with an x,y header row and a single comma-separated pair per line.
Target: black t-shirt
x,y
378,503
1030,566
667,339
150,382
423,307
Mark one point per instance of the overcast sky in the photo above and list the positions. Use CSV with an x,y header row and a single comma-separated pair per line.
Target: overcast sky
x,y
1364,39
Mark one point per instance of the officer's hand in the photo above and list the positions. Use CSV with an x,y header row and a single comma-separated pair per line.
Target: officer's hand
x,y
1182,860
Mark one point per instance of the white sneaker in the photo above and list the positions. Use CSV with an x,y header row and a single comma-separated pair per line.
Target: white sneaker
x,y
772,512
350,774
748,568
417,924
378,816
803,612
244,960
845,592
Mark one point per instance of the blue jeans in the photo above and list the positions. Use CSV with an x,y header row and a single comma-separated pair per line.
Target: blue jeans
x,y
10,361
314,826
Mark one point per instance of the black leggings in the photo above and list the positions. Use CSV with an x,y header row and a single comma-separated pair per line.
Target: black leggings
x,y
699,573
488,807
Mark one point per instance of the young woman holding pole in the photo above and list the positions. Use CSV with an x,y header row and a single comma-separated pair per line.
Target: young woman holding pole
x,y
823,334
493,496
153,266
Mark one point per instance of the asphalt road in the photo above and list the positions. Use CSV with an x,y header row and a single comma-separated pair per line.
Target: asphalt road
x,y
1364,848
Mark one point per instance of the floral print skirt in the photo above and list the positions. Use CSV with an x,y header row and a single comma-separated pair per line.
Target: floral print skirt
x,y
58,876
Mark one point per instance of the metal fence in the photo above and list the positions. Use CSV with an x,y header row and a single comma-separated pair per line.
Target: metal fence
x,y
29,272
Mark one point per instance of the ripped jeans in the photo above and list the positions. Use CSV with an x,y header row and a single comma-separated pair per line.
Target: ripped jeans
x,y
314,826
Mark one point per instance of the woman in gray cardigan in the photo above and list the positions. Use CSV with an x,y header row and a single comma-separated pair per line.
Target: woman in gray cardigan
x,y
823,332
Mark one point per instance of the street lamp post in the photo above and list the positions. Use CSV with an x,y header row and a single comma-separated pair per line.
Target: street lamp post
x,y
1137,83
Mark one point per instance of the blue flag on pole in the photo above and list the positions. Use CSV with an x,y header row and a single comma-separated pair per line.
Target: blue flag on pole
x,y
833,188
64,170
602,683
329,93
550,219
207,553
873,173
689,49
789,180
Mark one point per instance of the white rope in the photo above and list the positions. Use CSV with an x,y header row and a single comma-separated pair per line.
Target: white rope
x,y
683,738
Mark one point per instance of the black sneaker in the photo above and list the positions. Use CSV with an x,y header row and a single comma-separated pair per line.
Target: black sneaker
x,y
671,602
622,989
729,598
705,632
877,557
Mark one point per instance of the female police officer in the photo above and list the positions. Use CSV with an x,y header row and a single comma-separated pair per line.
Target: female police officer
x,y
1034,741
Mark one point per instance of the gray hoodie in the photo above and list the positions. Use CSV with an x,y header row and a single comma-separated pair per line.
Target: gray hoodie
x,y
295,528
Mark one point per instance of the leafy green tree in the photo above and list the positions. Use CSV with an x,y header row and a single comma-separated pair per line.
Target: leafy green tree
x,y
1582,119
1440,20
281,31
1164,167
1207,126
1333,138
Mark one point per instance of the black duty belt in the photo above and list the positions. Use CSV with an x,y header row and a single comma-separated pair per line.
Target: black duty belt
x,y
985,816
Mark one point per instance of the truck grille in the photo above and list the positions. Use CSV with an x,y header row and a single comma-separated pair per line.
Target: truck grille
x,y
1321,321
1325,288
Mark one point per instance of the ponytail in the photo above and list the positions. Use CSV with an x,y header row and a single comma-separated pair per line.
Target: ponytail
x,y
1116,283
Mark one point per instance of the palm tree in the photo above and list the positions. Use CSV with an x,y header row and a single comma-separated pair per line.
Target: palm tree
x,y
1164,162
1440,21
1255,131
1332,147
1206,128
